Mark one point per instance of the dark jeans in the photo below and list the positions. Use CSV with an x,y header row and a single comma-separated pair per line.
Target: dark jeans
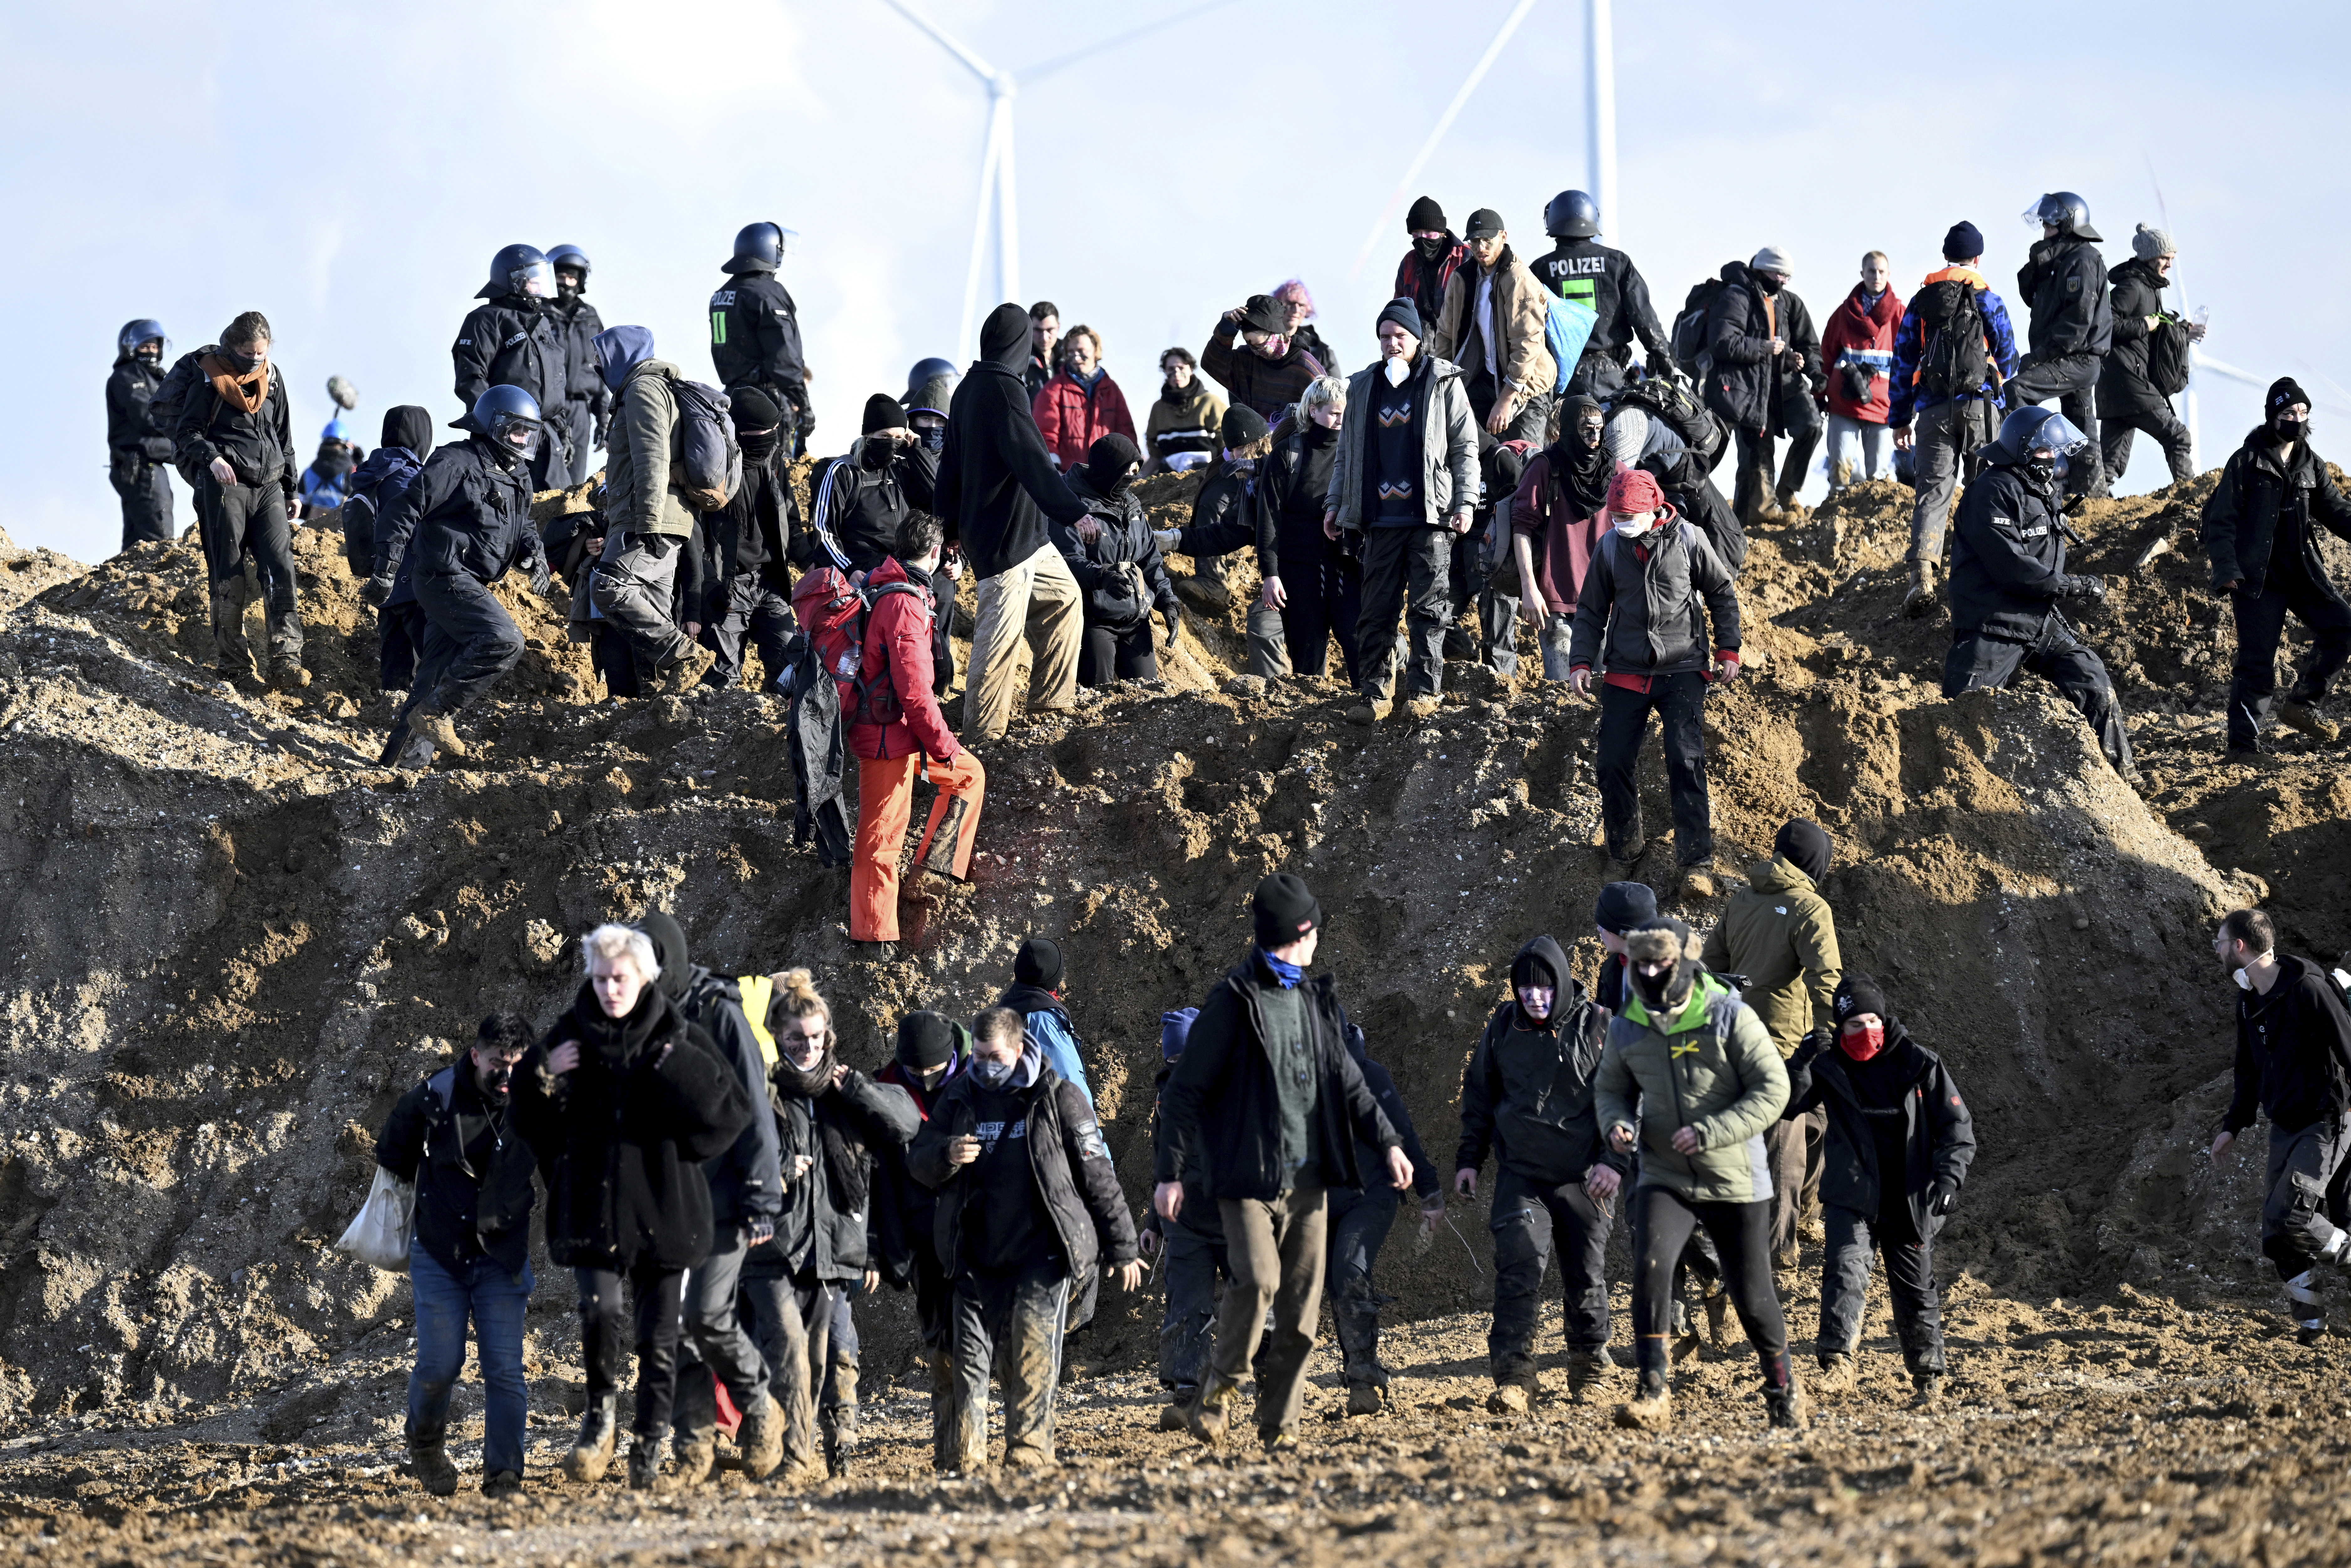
x,y
1678,701
1909,1282
934,1317
1527,1217
837,1404
146,492
1742,1231
1401,565
2072,381
399,644
2305,1183
792,1320
1195,1262
1104,655
495,1301
1801,418
1019,1315
715,1324
470,641
756,614
1357,1228
2061,658
604,1326
2160,423
2261,627
242,519
1325,601
1483,571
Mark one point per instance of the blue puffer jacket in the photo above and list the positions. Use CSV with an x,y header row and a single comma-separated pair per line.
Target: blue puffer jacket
x,y
1908,395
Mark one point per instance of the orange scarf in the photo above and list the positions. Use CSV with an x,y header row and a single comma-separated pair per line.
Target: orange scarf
x,y
246,390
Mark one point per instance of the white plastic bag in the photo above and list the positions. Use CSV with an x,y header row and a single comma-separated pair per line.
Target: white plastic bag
x,y
386,1221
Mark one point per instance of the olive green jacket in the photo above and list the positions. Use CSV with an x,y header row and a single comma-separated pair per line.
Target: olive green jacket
x,y
1781,935
640,497
1711,1067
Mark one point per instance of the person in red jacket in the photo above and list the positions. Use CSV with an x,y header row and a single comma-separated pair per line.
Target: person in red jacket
x,y
898,639
1857,351
1080,404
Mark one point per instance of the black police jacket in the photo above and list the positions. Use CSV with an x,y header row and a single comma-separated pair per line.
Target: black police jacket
x,y
2257,490
1591,274
128,390
755,338
2064,280
581,323
465,513
513,341
2008,556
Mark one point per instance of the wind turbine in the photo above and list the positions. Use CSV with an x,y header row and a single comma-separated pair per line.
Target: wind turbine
x,y
996,183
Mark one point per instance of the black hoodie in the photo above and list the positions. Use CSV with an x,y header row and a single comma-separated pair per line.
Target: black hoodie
x,y
1527,1093
745,1183
996,483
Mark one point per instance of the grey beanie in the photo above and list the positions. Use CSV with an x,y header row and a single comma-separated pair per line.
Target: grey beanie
x,y
2148,244
1772,259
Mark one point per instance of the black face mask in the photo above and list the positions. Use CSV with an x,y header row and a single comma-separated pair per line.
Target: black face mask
x,y
2292,430
2042,469
496,1082
1431,249
934,438
1112,488
758,448
1654,990
245,362
1770,282
565,289
151,353
877,453
1587,436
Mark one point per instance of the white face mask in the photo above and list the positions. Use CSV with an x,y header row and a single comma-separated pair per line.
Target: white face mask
x,y
1398,368
2244,981
1633,528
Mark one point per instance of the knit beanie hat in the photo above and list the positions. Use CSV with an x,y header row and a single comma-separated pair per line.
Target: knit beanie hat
x,y
1175,1030
2284,393
1963,243
1425,215
925,1040
1805,845
1623,905
1107,460
1242,427
1283,911
752,408
1634,490
1772,259
1857,992
1039,964
2148,244
883,412
1404,314
1484,224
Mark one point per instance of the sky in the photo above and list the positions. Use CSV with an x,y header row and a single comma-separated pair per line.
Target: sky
x,y
351,171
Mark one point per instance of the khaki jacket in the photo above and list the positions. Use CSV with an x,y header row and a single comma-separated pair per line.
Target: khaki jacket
x,y
1781,935
1522,315
639,495
1709,1067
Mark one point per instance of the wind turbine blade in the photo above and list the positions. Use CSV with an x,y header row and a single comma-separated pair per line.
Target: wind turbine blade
x,y
988,159
1007,210
945,40
1445,124
1038,72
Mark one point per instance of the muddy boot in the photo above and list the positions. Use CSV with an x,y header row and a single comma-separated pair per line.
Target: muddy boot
x,y
1717,1303
1366,1399
1842,474
1278,1441
1921,597
1419,708
1514,1394
1838,1372
502,1483
1586,1369
2297,713
1787,1407
761,1437
692,1457
430,1460
1790,509
591,1452
1210,1414
1682,1343
841,1439
1651,1409
232,654
945,1422
1170,1415
644,1461
682,677
285,638
1370,711
1926,1390
429,722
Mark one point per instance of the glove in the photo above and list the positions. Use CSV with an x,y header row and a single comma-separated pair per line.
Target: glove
x,y
1941,1197
1174,621
1662,363
377,591
1815,1042
1168,538
761,1230
1856,381
541,579
157,448
2093,589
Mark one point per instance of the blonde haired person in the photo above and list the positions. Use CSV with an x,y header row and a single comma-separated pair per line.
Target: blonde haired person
x,y
1311,581
621,1101
1080,403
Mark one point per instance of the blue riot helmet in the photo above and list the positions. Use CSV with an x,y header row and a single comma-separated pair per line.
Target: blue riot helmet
x,y
2030,430
2068,212
513,270
146,329
1572,215
760,247
571,259
510,416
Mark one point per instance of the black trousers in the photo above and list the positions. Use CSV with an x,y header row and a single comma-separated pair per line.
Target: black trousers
x,y
146,491
758,615
1664,1221
1325,602
1408,572
1104,655
1195,1264
604,1329
1796,413
2261,627
238,519
1358,1223
1483,571
1527,1218
942,663
2060,657
2167,430
470,641
399,644
1853,1236
2072,381
1678,701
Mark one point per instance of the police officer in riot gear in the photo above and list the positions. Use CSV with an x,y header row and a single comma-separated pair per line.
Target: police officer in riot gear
x,y
2008,575
2064,279
516,341
1580,268
138,459
587,403
754,330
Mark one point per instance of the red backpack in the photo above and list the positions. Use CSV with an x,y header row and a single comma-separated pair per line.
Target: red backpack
x,y
832,610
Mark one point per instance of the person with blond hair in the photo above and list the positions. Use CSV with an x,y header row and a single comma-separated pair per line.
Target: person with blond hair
x,y
1080,404
1311,581
621,1101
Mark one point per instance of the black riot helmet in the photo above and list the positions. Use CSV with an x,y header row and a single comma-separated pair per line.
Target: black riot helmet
x,y
570,259
1572,215
504,412
2028,429
759,248
146,329
511,271
929,385
2067,211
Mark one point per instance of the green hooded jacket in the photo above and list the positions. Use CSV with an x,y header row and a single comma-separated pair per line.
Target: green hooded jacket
x,y
1781,935
1710,1067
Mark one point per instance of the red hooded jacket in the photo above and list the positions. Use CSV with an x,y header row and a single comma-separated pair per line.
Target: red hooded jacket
x,y
898,636
1870,335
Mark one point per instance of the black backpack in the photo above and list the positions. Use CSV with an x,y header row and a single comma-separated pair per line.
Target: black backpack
x,y
163,408
1672,400
2167,358
1952,357
1689,333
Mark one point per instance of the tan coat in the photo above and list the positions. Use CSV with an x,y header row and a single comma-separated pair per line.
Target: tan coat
x,y
1781,935
1522,314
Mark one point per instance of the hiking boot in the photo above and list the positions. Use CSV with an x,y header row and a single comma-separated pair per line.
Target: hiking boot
x,y
1418,709
1921,597
686,672
1699,880
875,952
1278,1439
691,1461
1170,1415
1787,1407
1514,1397
1651,1409
2308,1334
644,1463
1586,1369
502,1483
2302,715
1366,1399
287,675
1029,1459
434,1470
591,1452
840,1443
1790,509
761,1437
1926,1390
1718,1308
1839,1372
1207,1416
1370,710
1842,474
434,726
415,756
232,654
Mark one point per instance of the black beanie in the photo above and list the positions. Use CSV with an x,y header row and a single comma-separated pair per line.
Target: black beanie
x,y
1484,224
1425,213
925,1040
883,412
2284,393
1623,905
1107,460
1857,992
1243,426
752,408
1283,910
1805,845
1963,243
1404,314
1039,964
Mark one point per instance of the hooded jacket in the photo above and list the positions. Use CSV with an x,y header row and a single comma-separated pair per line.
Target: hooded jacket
x,y
1999,347
1861,334
1068,1164
376,488
471,1168
1071,415
1221,1102
1424,283
1252,381
1780,932
258,446
898,636
1521,315
1295,488
640,495
466,514
1645,603
2008,555
2258,492
1939,1139
1188,421
1564,535
904,1211
513,340
996,483
622,1137
1449,481
745,1183
1709,1065
1227,516
2064,282
1526,1095
582,383
857,511
1748,384
822,1232
2293,1051
754,534
1108,588
2125,387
